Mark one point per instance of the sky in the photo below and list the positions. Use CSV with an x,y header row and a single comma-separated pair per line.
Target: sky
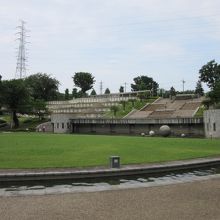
x,y
115,40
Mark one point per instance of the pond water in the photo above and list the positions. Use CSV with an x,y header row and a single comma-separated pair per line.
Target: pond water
x,y
101,184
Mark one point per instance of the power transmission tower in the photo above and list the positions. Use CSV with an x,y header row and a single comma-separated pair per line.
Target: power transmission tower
x,y
101,87
125,86
183,81
21,56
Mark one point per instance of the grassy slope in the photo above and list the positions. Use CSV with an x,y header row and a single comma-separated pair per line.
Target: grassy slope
x,y
24,122
32,150
200,112
128,107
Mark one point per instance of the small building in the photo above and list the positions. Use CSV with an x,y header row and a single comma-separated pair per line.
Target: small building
x,y
212,123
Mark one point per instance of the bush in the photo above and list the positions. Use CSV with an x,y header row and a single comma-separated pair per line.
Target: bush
x,y
2,121
27,121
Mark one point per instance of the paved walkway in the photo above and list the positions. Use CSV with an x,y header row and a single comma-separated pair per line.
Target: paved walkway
x,y
197,200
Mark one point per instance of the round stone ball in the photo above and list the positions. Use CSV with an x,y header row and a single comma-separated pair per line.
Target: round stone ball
x,y
151,133
165,130
142,134
183,135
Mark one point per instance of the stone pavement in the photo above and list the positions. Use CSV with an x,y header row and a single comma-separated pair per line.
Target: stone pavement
x,y
195,200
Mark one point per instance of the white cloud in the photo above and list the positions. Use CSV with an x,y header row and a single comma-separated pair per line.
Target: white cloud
x,y
162,49
113,38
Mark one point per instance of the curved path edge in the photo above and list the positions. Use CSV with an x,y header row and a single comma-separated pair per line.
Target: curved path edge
x,y
126,170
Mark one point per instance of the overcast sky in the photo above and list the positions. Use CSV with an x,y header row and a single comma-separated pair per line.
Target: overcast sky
x,y
115,40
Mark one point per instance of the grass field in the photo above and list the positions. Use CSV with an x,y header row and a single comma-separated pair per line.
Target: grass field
x,y
34,150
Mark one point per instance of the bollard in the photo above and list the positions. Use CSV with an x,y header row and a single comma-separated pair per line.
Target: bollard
x,y
114,162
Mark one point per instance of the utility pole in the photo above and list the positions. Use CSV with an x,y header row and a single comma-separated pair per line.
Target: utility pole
x,y
152,89
101,87
183,81
125,87
21,56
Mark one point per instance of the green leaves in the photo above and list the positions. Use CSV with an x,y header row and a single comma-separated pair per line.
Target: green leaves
x,y
42,86
210,73
215,93
84,81
14,94
114,109
93,92
199,90
144,83
107,91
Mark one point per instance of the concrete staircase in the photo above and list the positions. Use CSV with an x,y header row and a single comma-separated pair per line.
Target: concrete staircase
x,y
168,108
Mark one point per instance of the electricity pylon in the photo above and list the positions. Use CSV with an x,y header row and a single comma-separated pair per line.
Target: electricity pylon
x,y
21,57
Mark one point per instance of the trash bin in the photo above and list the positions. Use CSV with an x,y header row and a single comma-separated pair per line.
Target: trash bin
x,y
114,162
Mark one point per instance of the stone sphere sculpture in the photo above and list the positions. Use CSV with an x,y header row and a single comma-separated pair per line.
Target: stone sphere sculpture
x,y
165,130
151,133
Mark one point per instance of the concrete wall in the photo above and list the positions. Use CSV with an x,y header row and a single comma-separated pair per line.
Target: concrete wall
x,y
212,123
190,130
64,123
61,122
45,127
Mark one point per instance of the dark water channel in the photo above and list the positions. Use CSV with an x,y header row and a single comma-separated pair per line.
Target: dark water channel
x,y
100,184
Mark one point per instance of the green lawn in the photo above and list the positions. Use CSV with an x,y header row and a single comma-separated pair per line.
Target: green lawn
x,y
33,150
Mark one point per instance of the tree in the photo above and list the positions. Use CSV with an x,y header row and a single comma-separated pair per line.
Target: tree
x,y
145,83
84,81
161,92
67,95
210,73
121,89
42,86
15,96
74,93
199,90
132,101
107,91
93,92
114,109
143,95
123,104
0,94
39,108
214,95
172,91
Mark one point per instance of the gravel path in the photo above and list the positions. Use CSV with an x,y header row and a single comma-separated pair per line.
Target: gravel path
x,y
196,200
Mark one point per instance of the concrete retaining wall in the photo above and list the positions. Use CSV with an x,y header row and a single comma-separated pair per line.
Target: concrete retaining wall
x,y
106,172
191,128
61,122
45,127
212,123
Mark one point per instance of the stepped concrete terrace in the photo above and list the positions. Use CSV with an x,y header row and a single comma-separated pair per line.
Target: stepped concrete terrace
x,y
98,101
88,107
179,107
